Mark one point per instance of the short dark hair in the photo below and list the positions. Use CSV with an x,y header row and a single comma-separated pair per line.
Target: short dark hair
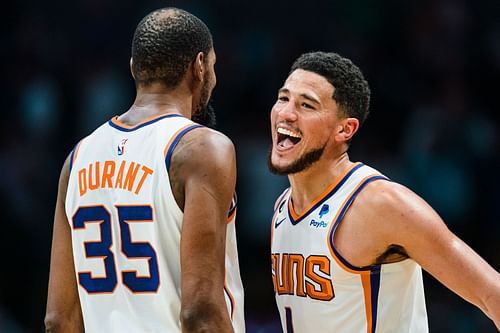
x,y
351,92
165,42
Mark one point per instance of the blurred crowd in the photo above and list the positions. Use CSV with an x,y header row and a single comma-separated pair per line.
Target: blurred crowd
x,y
433,67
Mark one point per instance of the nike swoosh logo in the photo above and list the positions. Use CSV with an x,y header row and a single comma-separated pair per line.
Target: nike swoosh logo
x,y
278,223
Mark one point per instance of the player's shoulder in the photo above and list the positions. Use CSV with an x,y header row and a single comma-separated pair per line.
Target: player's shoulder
x,y
393,208
205,140
212,135
64,176
389,210
205,147
386,196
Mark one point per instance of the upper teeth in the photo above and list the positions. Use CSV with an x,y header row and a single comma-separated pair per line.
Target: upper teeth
x,y
288,132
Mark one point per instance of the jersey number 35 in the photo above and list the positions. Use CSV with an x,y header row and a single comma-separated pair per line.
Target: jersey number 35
x,y
102,249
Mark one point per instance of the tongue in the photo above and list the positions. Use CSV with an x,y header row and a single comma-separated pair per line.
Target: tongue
x,y
287,143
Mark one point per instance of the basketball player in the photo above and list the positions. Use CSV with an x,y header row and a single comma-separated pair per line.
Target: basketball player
x,y
348,244
144,237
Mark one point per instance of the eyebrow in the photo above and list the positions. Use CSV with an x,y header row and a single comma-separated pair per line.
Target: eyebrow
x,y
304,95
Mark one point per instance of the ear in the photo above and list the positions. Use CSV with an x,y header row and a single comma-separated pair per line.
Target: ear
x,y
346,129
131,67
199,67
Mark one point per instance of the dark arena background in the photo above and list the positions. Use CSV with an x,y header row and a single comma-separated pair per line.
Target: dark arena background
x,y
434,70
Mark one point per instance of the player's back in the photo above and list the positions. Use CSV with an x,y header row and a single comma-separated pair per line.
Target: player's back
x,y
126,228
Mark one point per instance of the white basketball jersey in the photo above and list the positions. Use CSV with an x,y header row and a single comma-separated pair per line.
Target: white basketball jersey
x,y
126,229
317,290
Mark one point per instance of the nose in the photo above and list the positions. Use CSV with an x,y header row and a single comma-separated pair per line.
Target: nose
x,y
287,112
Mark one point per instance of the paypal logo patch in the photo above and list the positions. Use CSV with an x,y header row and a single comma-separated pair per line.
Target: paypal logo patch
x,y
318,224
324,210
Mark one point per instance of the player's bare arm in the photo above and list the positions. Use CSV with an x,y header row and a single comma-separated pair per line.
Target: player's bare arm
x,y
203,177
401,220
63,305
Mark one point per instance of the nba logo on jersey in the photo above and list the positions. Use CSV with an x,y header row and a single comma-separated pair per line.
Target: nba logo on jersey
x,y
121,147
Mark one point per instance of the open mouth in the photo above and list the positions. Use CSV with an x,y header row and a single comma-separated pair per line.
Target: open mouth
x,y
287,138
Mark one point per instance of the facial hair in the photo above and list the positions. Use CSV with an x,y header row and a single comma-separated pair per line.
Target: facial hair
x,y
204,113
205,116
299,165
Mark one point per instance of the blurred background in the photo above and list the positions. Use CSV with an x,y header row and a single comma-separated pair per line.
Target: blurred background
x,y
434,70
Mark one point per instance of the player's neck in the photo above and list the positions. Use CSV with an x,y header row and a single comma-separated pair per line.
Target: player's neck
x,y
155,100
309,184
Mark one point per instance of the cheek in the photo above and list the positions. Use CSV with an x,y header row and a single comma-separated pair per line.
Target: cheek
x,y
319,130
274,113
214,79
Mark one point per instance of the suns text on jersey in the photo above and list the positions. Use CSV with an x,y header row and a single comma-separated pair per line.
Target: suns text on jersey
x,y
127,175
305,277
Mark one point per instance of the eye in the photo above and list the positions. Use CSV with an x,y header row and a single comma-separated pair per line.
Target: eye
x,y
308,106
283,98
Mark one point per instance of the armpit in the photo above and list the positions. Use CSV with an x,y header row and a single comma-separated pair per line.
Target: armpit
x,y
394,253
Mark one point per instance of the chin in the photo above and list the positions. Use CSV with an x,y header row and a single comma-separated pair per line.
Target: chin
x,y
277,160
277,166
285,166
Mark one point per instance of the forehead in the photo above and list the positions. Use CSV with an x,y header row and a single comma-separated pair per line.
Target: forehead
x,y
301,81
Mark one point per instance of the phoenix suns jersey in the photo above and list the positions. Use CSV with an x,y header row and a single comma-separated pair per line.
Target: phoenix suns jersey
x,y
317,290
126,229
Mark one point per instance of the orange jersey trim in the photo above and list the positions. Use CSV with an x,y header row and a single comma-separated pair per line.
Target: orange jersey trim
x,y
277,204
297,216
77,148
172,139
115,120
333,225
233,214
369,275
231,298
74,154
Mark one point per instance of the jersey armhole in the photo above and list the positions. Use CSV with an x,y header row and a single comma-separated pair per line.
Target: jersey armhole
x,y
232,210
169,149
280,199
74,155
337,220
